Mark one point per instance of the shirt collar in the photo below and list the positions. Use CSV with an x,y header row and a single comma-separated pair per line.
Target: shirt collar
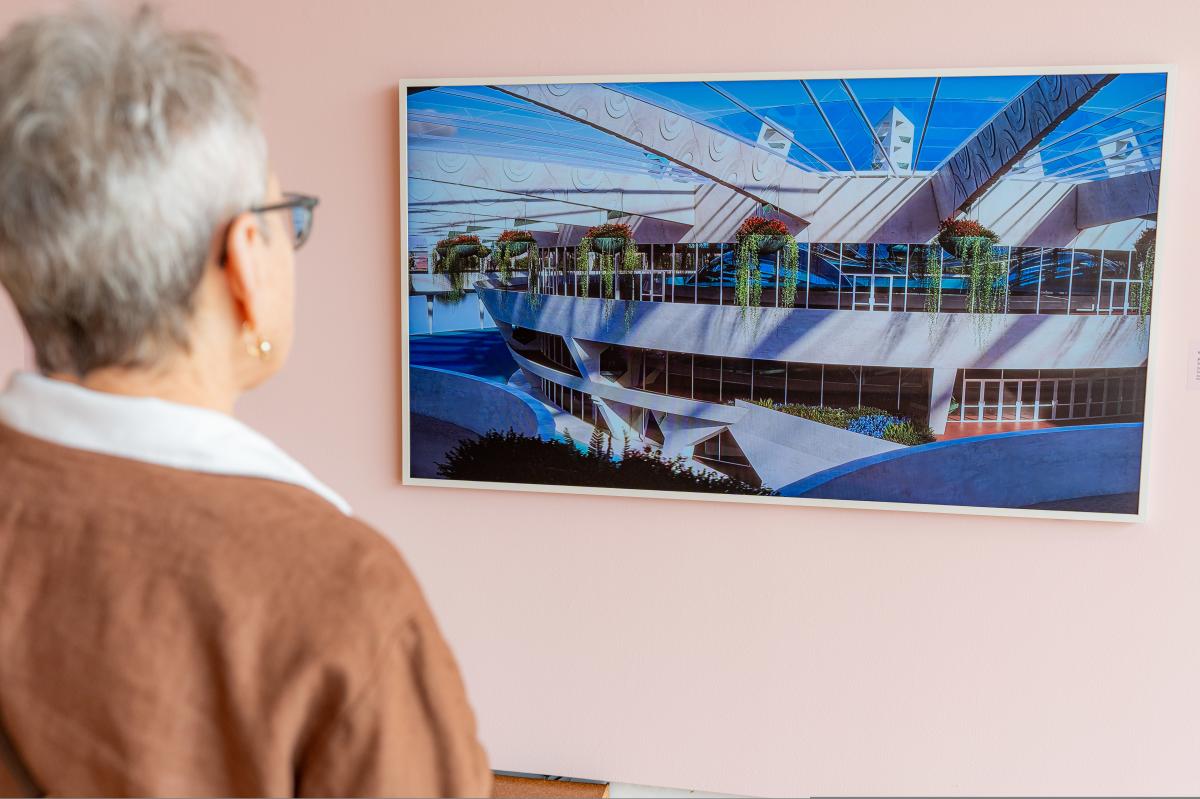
x,y
149,430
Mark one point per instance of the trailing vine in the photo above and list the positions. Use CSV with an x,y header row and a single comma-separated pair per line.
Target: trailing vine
x,y
1144,251
607,258
790,267
462,256
987,284
986,274
513,244
756,236
933,281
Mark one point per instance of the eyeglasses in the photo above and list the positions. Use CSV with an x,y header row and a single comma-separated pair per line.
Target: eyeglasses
x,y
301,206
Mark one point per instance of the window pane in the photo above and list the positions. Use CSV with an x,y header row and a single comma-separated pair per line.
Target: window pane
x,y
737,375
655,371
881,387
914,393
679,374
769,379
804,384
841,386
1085,283
707,385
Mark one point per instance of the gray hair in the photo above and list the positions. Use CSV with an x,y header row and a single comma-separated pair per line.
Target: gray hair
x,y
124,149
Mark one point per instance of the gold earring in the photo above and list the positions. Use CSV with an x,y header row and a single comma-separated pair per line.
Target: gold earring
x,y
258,346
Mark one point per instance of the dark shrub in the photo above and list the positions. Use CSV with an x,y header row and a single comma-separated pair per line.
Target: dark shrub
x,y
514,458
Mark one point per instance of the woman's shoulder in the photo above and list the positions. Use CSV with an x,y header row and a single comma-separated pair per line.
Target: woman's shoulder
x,y
248,541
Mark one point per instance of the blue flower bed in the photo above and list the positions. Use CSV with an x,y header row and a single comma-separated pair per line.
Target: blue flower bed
x,y
874,426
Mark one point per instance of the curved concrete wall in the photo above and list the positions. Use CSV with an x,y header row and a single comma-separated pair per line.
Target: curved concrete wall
x,y
866,338
476,404
1006,470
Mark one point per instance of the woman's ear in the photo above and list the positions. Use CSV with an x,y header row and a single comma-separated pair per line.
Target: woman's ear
x,y
243,267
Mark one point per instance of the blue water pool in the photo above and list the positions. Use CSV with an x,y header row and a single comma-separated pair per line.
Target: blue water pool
x,y
481,353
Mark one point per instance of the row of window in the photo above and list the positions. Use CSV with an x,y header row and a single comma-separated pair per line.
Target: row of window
x,y
721,379
981,394
1047,395
577,403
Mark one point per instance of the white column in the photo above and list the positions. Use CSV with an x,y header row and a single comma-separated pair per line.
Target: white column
x,y
941,389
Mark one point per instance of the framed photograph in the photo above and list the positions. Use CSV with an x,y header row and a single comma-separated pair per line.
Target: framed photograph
x,y
926,291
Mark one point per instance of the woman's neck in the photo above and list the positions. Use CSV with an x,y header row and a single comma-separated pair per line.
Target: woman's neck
x,y
180,381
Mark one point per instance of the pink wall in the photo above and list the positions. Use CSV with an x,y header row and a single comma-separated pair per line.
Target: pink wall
x,y
727,647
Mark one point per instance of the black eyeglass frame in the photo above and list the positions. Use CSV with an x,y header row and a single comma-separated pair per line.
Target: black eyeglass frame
x,y
290,202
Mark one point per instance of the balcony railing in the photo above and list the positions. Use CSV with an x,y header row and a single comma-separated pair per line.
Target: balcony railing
x,y
850,292
1039,280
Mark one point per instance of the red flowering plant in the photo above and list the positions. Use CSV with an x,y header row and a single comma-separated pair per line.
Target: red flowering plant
x,y
610,230
513,244
465,238
756,237
606,241
514,235
761,226
951,229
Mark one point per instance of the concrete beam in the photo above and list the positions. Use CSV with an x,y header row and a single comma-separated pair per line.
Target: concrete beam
x,y
756,173
1102,202
467,202
1011,134
642,195
586,355
681,434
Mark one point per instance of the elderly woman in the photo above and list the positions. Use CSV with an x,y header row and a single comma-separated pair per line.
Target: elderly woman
x,y
183,608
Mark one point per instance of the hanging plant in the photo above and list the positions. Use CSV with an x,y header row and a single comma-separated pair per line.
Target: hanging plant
x,y
931,274
513,244
441,247
986,273
1143,253
462,254
759,236
606,241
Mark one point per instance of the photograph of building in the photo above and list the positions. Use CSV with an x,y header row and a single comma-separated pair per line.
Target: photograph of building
x,y
926,290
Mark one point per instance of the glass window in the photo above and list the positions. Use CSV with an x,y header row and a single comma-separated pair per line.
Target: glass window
x,y
1085,281
856,257
914,393
679,374
654,371
552,352
615,361
824,276
707,383
737,376
1025,268
770,378
841,386
891,259
804,384
881,387
1056,279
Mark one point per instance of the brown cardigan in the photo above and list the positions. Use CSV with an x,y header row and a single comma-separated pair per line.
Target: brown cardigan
x,y
172,633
